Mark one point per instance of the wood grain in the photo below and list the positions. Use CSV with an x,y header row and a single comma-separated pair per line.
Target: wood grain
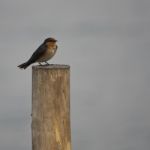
x,y
51,108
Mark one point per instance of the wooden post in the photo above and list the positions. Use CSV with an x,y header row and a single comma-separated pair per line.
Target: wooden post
x,y
51,107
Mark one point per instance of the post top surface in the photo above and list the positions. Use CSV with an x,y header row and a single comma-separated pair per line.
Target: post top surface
x,y
51,66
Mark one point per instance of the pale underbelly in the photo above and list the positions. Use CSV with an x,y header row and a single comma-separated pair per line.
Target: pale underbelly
x,y
47,56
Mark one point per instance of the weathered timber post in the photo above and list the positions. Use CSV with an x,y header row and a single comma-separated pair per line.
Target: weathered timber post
x,y
51,107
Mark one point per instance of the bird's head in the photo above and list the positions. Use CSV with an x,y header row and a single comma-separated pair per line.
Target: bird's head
x,y
50,40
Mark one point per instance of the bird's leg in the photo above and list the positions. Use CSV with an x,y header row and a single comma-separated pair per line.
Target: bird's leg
x,y
46,63
40,64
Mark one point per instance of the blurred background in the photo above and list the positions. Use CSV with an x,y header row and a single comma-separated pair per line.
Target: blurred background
x,y
106,43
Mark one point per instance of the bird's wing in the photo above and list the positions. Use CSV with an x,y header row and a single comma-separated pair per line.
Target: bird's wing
x,y
38,53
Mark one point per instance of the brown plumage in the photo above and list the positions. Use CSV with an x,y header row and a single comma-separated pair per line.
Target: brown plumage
x,y
45,52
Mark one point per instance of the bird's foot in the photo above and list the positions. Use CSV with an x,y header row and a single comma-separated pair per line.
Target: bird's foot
x,y
40,64
46,63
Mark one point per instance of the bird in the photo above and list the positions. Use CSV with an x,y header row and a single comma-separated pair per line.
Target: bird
x,y
42,54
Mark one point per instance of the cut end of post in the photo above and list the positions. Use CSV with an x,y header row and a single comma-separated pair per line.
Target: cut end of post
x,y
51,66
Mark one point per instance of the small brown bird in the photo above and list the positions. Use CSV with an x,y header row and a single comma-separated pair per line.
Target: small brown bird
x,y
45,52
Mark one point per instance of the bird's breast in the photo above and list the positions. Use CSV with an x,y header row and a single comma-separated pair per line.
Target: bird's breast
x,y
49,53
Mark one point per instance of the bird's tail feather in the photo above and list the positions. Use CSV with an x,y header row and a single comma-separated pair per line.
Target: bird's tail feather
x,y
24,65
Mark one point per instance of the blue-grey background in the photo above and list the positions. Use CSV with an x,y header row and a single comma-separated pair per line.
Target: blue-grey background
x,y
107,44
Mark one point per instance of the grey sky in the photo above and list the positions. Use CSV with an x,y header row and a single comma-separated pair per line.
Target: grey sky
x,y
107,45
